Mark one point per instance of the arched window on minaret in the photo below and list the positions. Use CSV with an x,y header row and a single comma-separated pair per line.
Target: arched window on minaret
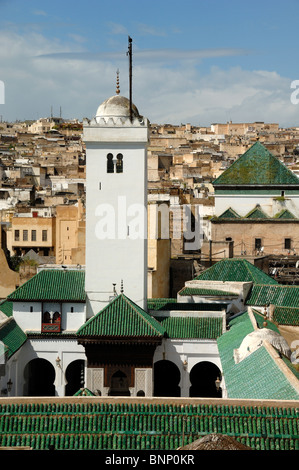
x,y
119,163
110,164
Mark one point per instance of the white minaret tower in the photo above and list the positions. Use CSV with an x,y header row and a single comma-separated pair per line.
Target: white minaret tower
x,y
116,203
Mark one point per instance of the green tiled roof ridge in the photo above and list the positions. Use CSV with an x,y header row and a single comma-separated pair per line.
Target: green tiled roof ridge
x,y
257,166
230,213
285,214
121,317
256,213
235,269
52,285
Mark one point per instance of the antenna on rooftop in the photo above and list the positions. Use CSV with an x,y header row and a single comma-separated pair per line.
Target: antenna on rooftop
x,y
129,53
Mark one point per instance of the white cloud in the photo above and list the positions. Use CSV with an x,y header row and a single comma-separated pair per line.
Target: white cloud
x,y
39,73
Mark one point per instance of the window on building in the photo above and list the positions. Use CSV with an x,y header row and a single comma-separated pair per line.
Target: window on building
x,y
258,243
33,235
110,164
17,235
287,243
119,163
44,235
25,235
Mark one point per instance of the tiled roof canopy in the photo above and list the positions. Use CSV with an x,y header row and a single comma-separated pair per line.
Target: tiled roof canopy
x,y
235,269
121,318
52,285
257,166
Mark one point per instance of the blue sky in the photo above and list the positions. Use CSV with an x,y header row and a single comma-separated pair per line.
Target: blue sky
x,y
198,61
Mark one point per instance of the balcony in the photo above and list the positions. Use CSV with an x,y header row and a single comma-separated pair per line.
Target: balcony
x,y
51,323
51,327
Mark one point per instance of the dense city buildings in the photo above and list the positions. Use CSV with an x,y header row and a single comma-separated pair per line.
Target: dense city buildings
x,y
148,261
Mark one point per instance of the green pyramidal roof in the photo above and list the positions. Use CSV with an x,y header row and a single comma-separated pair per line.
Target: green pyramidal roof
x,y
120,318
52,285
257,166
235,269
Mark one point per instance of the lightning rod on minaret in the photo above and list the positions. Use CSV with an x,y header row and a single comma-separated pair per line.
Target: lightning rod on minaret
x,y
129,53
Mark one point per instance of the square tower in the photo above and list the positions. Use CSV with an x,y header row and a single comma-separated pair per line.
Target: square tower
x,y
116,204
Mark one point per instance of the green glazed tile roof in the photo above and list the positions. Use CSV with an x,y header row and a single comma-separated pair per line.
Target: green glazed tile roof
x,y
12,336
256,213
286,315
235,269
122,317
279,295
285,214
192,327
126,425
160,303
206,292
229,214
7,307
53,285
260,376
257,166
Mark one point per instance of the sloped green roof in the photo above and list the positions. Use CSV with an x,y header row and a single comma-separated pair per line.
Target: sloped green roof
x,y
257,166
229,214
12,336
257,376
119,318
286,315
160,303
52,285
279,295
235,269
285,214
205,292
192,327
7,307
256,213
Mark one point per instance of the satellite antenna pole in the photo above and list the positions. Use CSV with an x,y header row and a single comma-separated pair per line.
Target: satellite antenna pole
x,y
129,53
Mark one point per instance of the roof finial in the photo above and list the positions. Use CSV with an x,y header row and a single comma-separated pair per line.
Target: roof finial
x,y
117,82
122,287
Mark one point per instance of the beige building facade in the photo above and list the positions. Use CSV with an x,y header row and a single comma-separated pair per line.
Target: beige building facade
x,y
32,232
70,234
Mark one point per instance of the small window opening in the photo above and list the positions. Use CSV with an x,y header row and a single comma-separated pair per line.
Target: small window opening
x,y
119,163
110,164
287,243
